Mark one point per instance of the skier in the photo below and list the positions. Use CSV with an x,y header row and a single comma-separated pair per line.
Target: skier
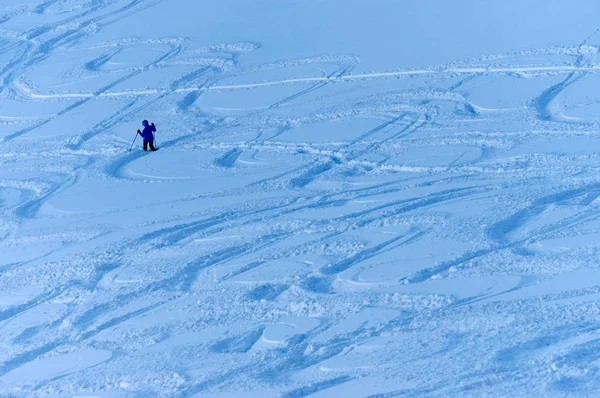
x,y
148,135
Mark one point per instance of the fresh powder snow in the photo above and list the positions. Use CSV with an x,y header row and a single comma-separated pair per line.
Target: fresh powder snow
x,y
350,198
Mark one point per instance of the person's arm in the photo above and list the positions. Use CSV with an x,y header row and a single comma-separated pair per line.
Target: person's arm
x,y
153,127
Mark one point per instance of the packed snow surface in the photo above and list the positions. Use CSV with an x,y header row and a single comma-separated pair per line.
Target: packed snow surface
x,y
350,198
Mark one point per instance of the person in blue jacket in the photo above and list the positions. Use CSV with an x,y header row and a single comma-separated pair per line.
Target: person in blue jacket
x,y
148,135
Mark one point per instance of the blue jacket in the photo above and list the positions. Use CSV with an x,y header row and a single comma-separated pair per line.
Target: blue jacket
x,y
148,132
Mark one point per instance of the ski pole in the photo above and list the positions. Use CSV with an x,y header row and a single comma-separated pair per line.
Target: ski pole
x,y
136,134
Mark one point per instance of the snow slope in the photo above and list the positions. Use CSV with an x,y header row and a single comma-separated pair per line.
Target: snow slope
x,y
351,199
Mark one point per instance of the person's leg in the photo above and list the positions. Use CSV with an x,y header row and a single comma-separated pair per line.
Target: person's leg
x,y
145,146
152,146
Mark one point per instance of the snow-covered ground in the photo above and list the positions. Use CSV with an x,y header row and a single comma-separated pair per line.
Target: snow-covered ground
x,y
351,198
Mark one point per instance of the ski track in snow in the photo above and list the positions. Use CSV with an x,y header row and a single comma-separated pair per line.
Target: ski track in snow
x,y
382,228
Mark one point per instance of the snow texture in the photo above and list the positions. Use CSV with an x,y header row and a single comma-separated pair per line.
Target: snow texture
x,y
351,199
